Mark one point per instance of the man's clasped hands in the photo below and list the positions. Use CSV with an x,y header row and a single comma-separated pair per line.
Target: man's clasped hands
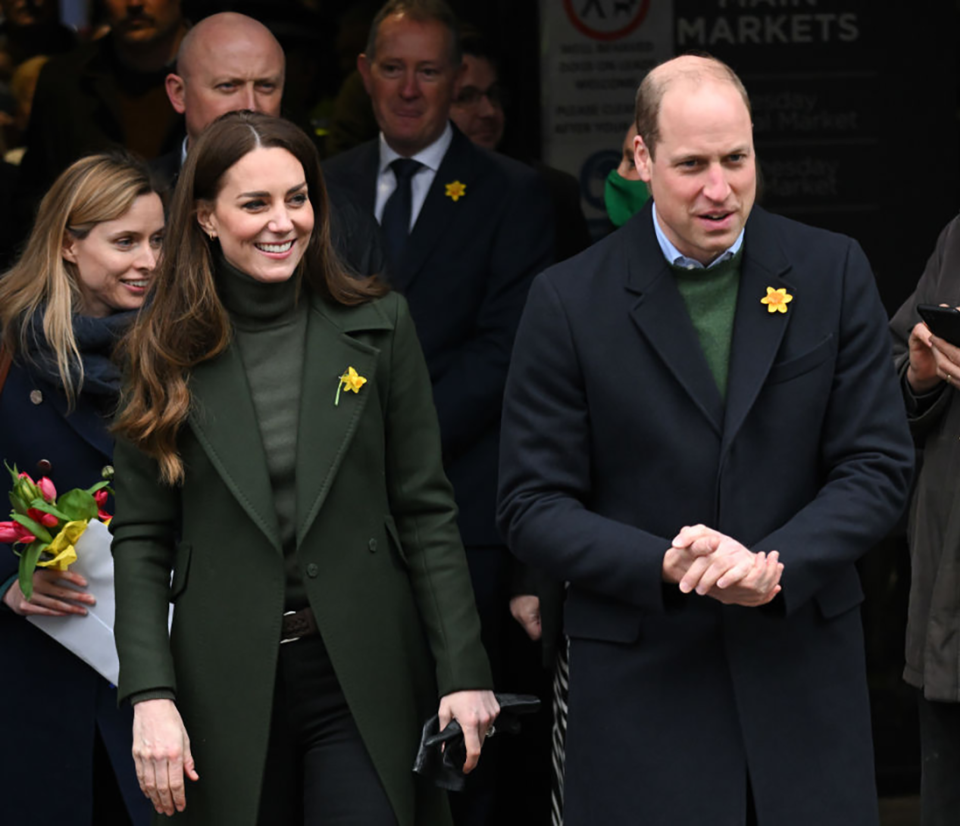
x,y
704,560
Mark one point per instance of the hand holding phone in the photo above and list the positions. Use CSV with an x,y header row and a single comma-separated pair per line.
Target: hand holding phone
x,y
944,322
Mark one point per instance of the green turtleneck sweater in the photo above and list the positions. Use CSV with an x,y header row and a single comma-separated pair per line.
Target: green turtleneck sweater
x,y
269,327
711,298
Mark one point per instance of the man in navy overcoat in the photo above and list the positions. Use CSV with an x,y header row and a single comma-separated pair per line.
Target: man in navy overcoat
x,y
705,399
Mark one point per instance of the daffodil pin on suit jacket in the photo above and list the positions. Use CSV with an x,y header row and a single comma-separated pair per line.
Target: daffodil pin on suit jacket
x,y
378,550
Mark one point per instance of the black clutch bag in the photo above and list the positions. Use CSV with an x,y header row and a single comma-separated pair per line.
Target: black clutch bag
x,y
444,766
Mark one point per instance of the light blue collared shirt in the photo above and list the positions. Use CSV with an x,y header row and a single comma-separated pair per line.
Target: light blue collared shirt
x,y
678,259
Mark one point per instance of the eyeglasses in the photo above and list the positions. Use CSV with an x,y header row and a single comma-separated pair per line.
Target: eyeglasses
x,y
470,96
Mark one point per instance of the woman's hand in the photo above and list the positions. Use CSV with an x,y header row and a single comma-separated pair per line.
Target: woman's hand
x,y
161,753
50,598
475,711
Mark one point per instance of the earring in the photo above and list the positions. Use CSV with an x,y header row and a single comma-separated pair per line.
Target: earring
x,y
212,234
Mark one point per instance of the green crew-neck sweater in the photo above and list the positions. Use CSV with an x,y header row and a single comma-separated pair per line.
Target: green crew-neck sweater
x,y
711,298
269,327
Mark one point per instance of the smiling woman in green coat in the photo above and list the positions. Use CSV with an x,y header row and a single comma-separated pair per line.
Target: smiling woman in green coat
x,y
279,480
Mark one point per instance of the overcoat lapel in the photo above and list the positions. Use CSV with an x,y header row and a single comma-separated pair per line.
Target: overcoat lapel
x,y
662,318
225,423
326,427
757,333
364,191
439,209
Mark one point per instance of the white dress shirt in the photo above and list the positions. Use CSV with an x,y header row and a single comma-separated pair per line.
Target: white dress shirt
x,y
430,159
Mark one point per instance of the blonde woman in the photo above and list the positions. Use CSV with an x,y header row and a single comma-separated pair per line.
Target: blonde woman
x,y
82,276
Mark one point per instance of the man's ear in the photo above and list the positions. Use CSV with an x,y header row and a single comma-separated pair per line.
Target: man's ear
x,y
68,250
642,159
364,67
175,91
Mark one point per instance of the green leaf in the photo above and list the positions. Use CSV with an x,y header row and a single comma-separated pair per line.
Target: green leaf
x,y
99,486
18,504
28,564
46,507
35,528
79,504
14,473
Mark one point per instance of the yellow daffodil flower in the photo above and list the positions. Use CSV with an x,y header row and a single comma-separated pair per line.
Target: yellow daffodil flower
x,y
776,300
62,547
456,190
351,380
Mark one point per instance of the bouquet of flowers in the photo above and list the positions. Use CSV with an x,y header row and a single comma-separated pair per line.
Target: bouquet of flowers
x,y
44,528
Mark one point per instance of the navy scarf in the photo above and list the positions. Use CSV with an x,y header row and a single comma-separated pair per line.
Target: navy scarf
x,y
96,338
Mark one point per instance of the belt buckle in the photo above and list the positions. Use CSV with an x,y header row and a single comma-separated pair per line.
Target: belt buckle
x,y
289,639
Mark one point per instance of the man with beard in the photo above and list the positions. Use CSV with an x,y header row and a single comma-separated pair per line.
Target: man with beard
x,y
104,94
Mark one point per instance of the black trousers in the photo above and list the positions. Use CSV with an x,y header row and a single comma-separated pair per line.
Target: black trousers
x,y
940,763
318,771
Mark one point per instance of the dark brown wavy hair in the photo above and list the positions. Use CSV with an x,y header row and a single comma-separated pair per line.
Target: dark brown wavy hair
x,y
184,322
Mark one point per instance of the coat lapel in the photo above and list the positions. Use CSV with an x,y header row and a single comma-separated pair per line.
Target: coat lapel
x,y
662,318
438,209
757,333
325,427
225,423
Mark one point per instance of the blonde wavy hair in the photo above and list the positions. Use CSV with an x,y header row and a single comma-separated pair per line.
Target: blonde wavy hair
x,y
94,189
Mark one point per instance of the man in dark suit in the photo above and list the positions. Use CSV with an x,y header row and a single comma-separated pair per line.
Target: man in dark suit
x,y
465,232
229,62
705,399
474,231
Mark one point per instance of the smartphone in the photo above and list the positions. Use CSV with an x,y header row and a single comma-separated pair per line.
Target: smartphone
x,y
944,322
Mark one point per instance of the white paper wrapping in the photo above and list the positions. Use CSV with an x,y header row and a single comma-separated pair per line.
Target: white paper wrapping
x,y
90,637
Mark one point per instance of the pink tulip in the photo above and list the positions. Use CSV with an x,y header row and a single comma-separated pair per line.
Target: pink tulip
x,y
47,489
100,497
48,520
26,476
103,516
9,532
15,532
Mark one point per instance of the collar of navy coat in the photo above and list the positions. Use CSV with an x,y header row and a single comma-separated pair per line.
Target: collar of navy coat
x,y
223,418
662,318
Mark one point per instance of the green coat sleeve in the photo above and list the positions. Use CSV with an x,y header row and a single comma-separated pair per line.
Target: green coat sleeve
x,y
144,529
422,504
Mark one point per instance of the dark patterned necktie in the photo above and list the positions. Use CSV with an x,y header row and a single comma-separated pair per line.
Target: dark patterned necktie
x,y
396,212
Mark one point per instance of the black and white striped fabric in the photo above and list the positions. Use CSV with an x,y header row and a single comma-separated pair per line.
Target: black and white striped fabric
x,y
561,690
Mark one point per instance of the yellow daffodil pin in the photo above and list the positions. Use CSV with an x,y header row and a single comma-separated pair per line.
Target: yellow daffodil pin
x,y
776,300
456,190
62,547
351,380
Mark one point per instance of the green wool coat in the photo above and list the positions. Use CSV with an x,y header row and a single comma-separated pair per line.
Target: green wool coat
x,y
378,549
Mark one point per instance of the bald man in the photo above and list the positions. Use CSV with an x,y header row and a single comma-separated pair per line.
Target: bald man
x,y
226,62
229,62
702,433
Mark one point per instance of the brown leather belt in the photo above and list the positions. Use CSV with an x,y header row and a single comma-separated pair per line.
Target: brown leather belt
x,y
298,624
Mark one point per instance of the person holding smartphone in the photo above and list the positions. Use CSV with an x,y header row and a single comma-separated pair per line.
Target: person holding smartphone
x,y
929,368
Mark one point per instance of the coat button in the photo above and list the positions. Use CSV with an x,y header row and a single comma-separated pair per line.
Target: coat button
x,y
44,466
36,397
372,545
312,570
